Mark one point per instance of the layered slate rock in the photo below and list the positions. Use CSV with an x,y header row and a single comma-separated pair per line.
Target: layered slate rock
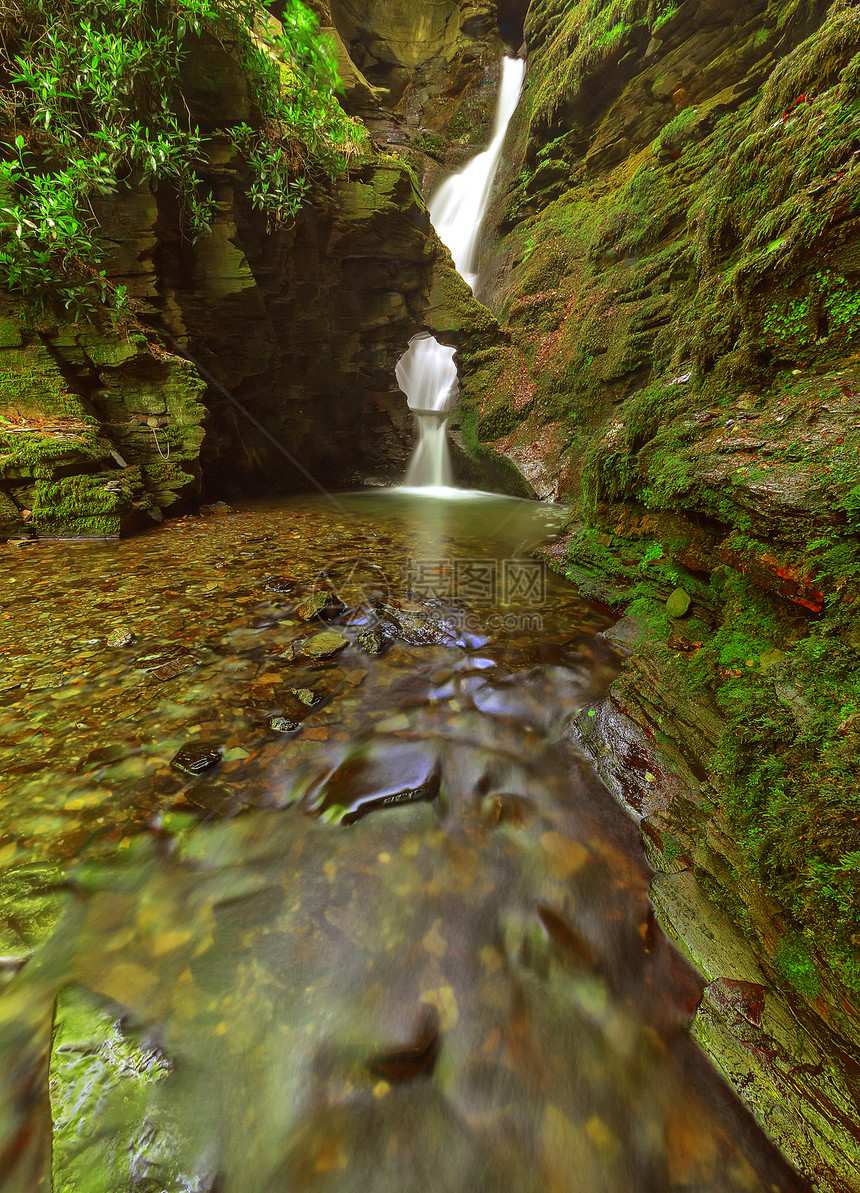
x,y
98,434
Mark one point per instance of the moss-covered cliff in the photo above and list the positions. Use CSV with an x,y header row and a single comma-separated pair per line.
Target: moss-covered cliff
x,y
676,276
293,294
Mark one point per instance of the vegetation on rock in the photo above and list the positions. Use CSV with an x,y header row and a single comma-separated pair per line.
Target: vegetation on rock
x,y
682,305
96,98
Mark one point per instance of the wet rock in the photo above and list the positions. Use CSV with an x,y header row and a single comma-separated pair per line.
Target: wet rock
x,y
212,800
357,582
158,659
48,679
322,603
217,509
678,604
372,640
702,930
197,757
284,725
415,1059
122,636
321,646
104,755
661,851
417,626
306,696
278,585
777,576
172,669
102,1072
425,793
793,1079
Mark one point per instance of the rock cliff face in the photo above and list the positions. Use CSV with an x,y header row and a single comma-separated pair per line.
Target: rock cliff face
x,y
675,276
302,326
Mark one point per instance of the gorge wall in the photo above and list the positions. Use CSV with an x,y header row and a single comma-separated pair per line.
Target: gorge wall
x,y
675,274
102,432
667,339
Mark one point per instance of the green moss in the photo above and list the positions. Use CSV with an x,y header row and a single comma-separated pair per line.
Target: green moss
x,y
702,293
31,383
10,333
90,504
677,131
38,455
432,144
795,962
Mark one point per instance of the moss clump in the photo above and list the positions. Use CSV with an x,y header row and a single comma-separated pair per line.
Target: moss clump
x,y
41,454
586,36
796,963
87,505
433,144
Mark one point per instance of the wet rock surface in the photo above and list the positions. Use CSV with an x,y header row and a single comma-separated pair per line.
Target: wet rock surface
x,y
790,1052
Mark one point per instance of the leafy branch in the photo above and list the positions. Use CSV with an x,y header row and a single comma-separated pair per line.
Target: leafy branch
x,y
93,94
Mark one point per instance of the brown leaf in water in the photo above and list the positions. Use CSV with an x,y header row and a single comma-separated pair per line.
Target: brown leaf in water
x,y
565,856
416,1058
573,947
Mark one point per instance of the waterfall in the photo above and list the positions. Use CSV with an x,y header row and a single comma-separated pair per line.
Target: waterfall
x,y
426,372
458,208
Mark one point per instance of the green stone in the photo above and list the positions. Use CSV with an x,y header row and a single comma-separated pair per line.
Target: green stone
x,y
120,637
322,646
678,604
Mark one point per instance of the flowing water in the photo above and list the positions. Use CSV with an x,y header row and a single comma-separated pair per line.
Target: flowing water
x,y
393,934
428,376
426,372
458,208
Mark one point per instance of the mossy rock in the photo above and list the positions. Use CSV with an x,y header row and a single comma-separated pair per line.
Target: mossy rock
x,y
102,1073
678,604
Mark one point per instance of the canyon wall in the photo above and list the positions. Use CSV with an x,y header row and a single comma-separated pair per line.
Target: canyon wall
x,y
675,272
260,356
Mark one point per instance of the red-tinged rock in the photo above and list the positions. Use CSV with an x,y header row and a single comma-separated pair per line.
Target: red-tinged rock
x,y
781,579
739,999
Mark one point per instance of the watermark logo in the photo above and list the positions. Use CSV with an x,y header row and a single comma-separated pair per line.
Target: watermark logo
x,y
504,582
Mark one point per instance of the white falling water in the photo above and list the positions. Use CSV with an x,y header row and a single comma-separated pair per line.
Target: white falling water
x,y
426,372
458,208
428,376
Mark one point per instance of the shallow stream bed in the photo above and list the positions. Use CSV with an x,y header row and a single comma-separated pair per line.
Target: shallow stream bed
x,y
385,930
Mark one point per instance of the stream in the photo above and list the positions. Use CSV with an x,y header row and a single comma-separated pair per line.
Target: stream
x,y
386,929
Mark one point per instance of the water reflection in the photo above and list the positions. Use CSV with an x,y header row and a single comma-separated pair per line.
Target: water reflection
x,y
421,956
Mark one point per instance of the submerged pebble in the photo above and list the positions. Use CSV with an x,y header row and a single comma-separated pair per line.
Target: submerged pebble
x,y
197,757
284,725
321,646
122,636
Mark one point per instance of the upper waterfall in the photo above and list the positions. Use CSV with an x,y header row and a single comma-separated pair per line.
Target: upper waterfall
x,y
426,372
458,208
